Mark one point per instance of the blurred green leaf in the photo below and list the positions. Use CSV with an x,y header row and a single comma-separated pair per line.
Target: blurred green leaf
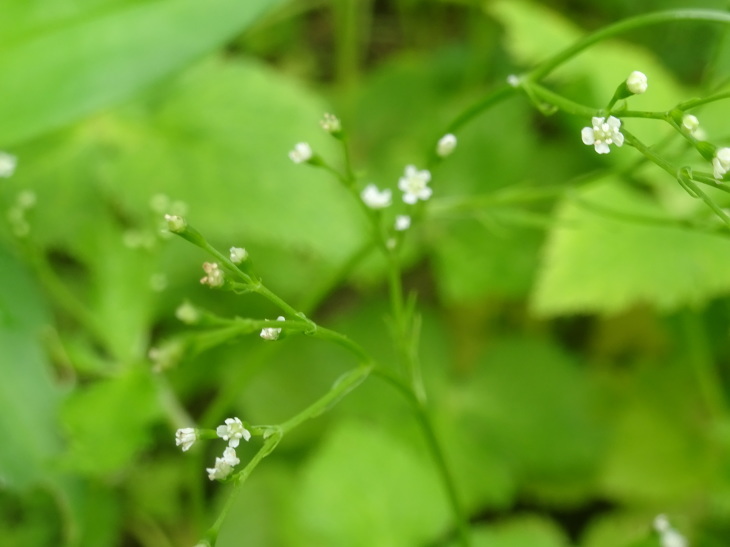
x,y
530,406
599,261
364,487
29,397
109,422
93,62
520,532
474,261
216,138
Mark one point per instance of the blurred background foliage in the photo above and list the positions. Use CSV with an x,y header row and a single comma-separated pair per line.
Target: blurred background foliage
x,y
575,354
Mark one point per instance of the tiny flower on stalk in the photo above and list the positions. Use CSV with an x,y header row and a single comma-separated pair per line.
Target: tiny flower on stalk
x,y
233,431
603,133
8,162
690,123
331,124
187,313
721,163
238,254
668,536
214,275
402,223
302,153
446,145
637,82
224,465
271,333
513,80
414,185
185,438
374,198
175,223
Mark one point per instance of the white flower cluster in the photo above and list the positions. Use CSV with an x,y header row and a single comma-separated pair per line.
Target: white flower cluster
x,y
637,82
213,275
8,163
602,133
232,431
272,333
668,536
302,153
721,163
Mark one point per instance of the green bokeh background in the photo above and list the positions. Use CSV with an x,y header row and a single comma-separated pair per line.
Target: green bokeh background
x,y
576,359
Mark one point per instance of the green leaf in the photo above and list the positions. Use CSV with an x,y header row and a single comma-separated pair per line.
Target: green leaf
x,y
364,487
216,138
109,422
528,408
520,532
90,63
28,396
612,248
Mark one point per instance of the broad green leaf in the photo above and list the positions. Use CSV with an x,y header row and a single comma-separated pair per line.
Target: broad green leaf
x,y
363,487
108,422
529,407
29,397
612,248
90,63
474,261
217,138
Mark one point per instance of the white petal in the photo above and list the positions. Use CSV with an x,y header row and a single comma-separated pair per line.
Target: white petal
x,y
587,135
602,148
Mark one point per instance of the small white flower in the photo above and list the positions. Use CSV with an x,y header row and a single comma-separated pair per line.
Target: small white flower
x,y
221,470
238,254
402,222
690,123
185,437
637,82
603,133
374,198
414,185
271,333
668,536
229,456
175,223
302,153
721,163
446,145
331,124
513,80
214,275
233,431
187,313
8,162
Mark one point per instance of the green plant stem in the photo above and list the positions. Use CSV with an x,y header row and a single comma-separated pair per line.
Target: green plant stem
x,y
406,338
694,103
344,385
546,67
656,18
492,99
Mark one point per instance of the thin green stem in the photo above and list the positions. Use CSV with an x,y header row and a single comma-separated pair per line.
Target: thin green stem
x,y
694,103
344,385
656,18
492,99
